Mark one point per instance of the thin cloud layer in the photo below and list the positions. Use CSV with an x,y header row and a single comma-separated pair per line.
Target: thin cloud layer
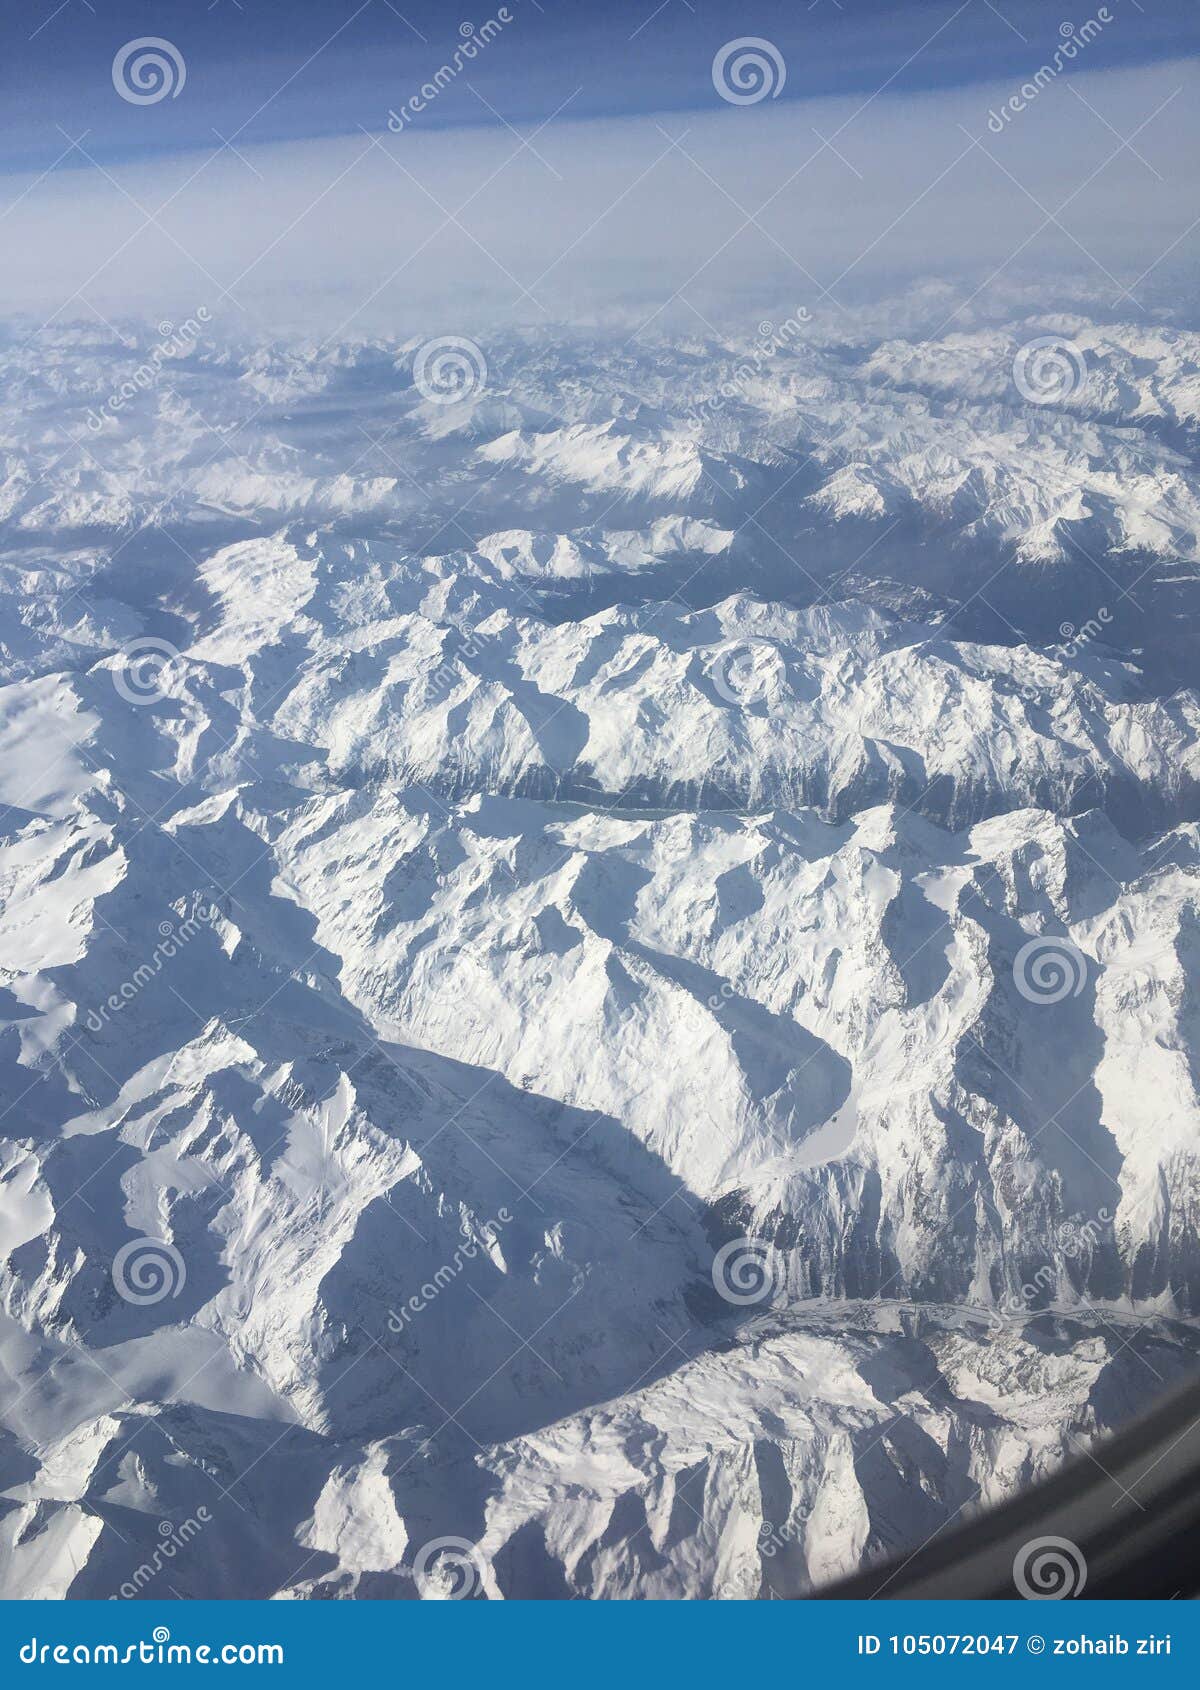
x,y
650,218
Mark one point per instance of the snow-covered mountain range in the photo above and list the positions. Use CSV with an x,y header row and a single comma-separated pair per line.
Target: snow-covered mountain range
x,y
598,952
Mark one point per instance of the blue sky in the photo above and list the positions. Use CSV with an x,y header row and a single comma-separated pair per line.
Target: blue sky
x,y
583,164
289,69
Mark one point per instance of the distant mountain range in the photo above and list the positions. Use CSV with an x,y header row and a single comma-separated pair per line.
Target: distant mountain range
x,y
599,948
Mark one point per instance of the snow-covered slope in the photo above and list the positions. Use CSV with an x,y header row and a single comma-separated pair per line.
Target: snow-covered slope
x,y
598,995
